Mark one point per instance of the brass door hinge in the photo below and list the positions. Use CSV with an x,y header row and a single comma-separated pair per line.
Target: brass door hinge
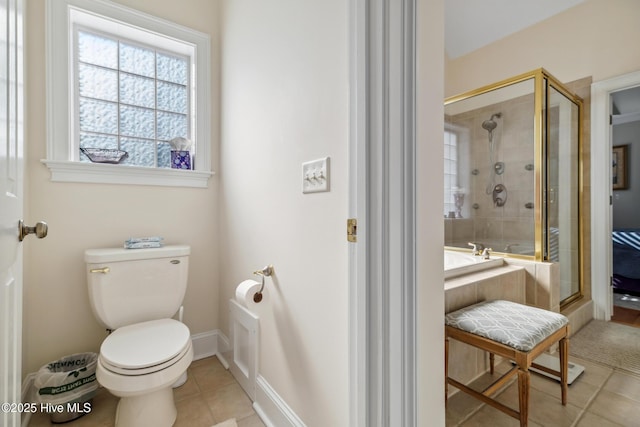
x,y
352,230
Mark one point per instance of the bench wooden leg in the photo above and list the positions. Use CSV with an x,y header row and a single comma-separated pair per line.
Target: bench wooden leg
x,y
523,395
564,367
492,362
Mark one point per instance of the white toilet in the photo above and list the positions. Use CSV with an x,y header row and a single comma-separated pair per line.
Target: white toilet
x,y
134,293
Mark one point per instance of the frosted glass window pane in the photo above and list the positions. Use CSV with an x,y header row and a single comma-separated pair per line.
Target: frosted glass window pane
x,y
172,97
136,121
131,98
97,50
88,140
172,69
164,155
141,152
136,90
137,60
98,116
171,125
97,82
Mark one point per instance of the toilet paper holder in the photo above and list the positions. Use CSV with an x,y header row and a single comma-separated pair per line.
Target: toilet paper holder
x,y
265,272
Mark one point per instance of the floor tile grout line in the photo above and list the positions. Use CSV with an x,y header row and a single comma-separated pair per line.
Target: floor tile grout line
x,y
590,401
482,404
582,411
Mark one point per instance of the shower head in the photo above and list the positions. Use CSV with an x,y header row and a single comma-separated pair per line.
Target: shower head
x,y
490,125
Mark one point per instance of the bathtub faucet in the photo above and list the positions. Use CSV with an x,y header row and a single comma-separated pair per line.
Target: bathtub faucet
x,y
476,248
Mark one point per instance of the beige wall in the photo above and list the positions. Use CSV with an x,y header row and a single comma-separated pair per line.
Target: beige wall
x,y
596,38
57,317
285,101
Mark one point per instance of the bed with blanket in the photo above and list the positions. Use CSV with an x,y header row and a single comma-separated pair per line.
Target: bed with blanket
x,y
626,262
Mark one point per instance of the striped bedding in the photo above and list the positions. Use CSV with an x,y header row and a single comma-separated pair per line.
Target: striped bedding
x,y
626,261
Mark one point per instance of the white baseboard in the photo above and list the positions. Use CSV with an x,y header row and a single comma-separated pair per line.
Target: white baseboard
x,y
272,409
206,344
224,350
224,345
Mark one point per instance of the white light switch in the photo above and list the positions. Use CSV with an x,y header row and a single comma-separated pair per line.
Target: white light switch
x,y
315,176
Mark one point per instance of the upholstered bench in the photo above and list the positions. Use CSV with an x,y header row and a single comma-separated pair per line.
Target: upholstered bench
x,y
515,332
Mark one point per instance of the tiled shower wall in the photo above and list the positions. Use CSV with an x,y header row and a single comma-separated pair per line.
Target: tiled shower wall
x,y
504,228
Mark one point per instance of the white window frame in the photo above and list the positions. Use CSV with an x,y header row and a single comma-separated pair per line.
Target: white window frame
x,y
463,165
449,204
62,156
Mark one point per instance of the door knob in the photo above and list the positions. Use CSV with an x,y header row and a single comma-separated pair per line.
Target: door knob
x,y
40,230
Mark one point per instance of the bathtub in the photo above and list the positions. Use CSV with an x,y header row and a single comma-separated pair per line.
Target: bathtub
x,y
461,263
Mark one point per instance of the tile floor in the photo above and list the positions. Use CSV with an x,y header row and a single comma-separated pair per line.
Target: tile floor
x,y
600,397
210,395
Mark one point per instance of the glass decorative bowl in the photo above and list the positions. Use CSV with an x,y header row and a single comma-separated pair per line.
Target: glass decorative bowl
x,y
104,155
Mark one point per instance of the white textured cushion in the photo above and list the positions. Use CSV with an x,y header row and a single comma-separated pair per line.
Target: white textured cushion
x,y
515,325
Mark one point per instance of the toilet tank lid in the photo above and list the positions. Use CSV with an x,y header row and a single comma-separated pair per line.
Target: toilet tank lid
x,y
94,256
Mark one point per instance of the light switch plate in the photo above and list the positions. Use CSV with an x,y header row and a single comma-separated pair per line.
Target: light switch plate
x,y
315,176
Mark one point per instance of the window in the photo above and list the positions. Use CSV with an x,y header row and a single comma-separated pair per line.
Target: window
x,y
120,79
131,98
450,171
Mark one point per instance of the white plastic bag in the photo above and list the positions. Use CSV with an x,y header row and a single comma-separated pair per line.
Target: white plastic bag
x,y
72,378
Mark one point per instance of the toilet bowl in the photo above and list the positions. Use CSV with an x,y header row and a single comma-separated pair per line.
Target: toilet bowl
x,y
139,363
134,294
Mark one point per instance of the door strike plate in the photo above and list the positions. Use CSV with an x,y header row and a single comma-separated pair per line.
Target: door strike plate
x,y
352,230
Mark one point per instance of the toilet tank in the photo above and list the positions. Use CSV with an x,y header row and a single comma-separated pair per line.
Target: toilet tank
x,y
129,286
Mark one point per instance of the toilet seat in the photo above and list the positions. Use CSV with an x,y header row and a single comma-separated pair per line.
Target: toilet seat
x,y
145,348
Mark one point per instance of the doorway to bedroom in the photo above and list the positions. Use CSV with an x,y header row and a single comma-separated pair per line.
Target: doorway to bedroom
x,y
625,137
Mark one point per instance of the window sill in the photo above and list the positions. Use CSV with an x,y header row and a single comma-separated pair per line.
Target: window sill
x,y
68,171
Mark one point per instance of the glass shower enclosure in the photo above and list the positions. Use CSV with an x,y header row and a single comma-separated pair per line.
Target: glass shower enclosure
x,y
513,173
